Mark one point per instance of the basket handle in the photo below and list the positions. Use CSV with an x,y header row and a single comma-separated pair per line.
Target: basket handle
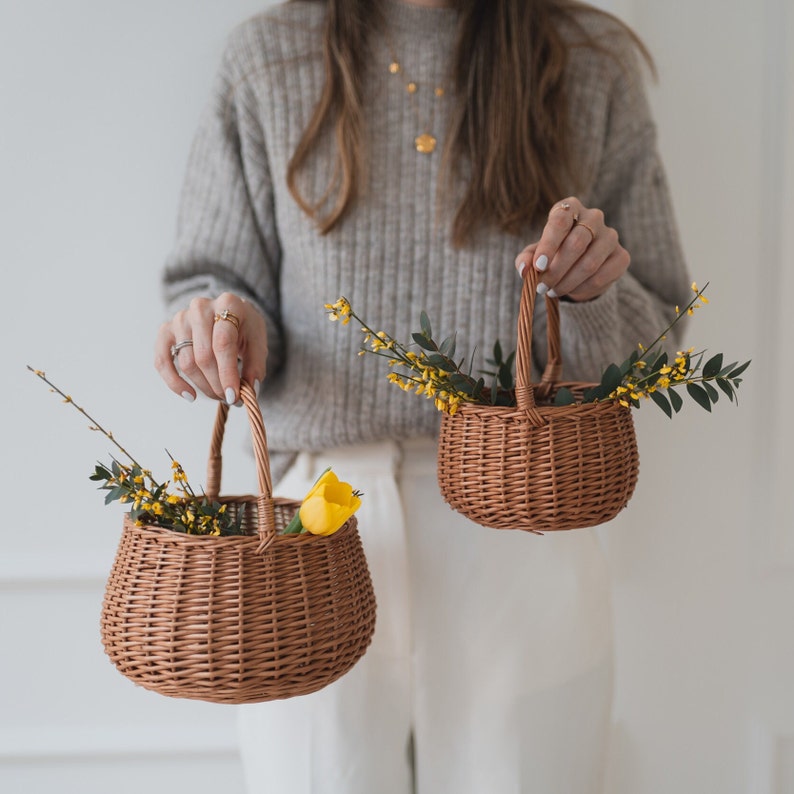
x,y
525,392
266,521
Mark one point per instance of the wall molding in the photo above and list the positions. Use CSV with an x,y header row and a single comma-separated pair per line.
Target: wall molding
x,y
52,570
82,743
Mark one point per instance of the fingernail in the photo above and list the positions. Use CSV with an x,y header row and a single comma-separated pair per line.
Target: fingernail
x,y
188,396
551,293
542,263
256,387
542,289
522,266
231,398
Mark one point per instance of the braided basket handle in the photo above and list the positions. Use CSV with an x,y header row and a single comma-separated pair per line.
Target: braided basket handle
x,y
525,392
266,522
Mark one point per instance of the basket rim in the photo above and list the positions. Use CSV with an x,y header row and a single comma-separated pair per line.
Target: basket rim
x,y
183,537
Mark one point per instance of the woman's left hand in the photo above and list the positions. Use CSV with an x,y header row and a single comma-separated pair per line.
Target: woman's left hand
x,y
578,255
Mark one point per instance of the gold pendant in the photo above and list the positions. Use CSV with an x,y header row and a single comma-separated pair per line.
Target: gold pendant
x,y
425,143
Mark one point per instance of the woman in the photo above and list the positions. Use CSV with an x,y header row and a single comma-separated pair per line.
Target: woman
x,y
412,155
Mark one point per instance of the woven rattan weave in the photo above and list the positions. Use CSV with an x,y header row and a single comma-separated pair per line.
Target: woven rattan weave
x,y
537,466
238,619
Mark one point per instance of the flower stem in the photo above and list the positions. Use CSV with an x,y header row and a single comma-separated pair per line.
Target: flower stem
x,y
678,316
94,424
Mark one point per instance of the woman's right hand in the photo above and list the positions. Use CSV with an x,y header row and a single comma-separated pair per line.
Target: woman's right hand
x,y
199,348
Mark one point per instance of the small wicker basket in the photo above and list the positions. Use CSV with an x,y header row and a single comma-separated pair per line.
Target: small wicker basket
x,y
238,619
537,466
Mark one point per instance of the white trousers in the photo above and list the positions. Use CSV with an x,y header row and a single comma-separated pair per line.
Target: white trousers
x,y
490,671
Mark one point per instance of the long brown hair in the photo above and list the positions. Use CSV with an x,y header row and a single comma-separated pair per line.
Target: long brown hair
x,y
510,132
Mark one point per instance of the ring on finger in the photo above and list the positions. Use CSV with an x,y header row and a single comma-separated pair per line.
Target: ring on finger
x,y
564,206
179,345
577,222
229,317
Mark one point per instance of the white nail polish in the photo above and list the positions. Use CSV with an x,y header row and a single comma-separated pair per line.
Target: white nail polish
x,y
542,263
542,289
188,396
551,293
522,266
230,397
257,384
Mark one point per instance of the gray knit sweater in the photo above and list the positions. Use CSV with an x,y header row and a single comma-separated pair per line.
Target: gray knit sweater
x,y
240,230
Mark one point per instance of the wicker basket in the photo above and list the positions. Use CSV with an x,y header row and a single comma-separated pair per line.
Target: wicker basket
x,y
537,466
238,619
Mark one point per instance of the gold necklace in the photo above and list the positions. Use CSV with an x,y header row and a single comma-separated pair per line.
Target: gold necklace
x,y
425,142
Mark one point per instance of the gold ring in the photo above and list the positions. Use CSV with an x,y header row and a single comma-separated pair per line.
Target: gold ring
x,y
577,222
564,206
227,315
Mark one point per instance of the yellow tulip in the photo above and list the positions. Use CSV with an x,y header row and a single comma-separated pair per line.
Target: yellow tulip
x,y
328,505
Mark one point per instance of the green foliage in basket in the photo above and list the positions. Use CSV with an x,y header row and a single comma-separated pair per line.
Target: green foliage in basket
x,y
649,373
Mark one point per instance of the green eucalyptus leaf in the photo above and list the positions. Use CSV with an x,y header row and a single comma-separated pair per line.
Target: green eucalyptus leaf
x,y
424,342
592,394
662,402
699,395
441,362
725,370
448,347
424,322
612,378
100,473
505,377
658,362
713,394
738,371
726,387
675,400
497,352
564,396
115,493
713,366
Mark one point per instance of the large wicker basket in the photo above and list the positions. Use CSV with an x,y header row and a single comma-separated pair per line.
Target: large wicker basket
x,y
238,619
537,466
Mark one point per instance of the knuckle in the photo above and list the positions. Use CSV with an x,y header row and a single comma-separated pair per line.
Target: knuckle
x,y
224,343
202,356
161,362
590,267
198,305
598,216
579,243
559,221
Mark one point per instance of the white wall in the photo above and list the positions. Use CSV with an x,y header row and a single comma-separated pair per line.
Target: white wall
x,y
100,99
99,102
703,559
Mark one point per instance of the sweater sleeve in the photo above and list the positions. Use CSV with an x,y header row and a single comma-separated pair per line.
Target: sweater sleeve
x,y
227,238
631,188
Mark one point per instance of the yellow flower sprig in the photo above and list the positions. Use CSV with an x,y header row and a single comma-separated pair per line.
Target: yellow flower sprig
x,y
648,373
150,501
432,371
